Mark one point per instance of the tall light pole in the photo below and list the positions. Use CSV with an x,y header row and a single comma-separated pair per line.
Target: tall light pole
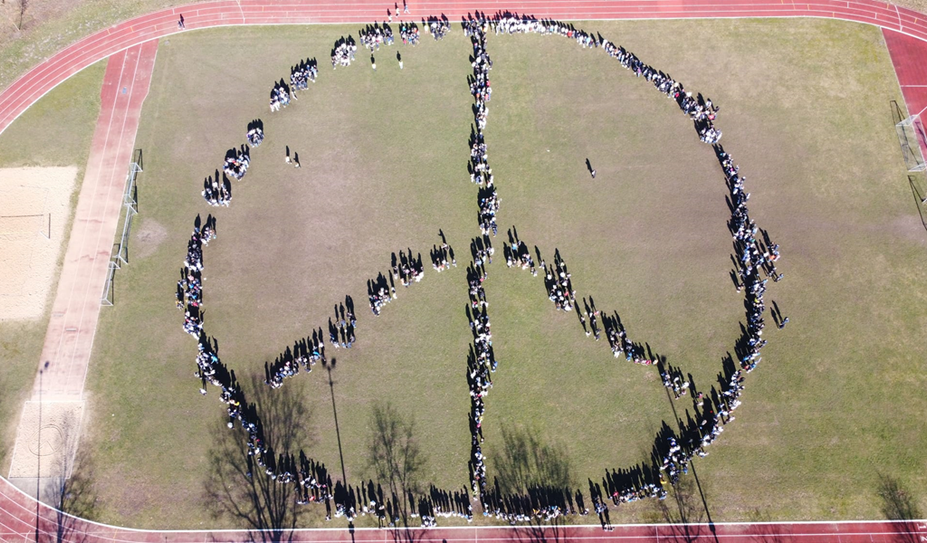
x,y
38,453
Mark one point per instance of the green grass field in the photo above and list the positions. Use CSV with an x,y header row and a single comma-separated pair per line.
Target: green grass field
x,y
835,404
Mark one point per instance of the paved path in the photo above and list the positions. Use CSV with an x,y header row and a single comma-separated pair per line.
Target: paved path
x,y
132,45
69,339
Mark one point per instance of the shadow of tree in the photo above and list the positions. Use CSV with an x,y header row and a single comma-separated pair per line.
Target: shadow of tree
x,y
395,459
764,529
69,490
684,512
533,471
235,487
526,463
899,505
541,532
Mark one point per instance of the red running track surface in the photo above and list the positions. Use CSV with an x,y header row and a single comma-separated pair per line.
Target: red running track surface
x,y
132,45
76,309
39,80
18,525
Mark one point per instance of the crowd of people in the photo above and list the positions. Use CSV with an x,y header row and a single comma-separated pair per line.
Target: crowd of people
x,y
314,482
341,331
406,268
481,362
375,35
673,379
672,451
306,352
190,286
216,192
237,162
255,134
700,110
280,96
755,255
480,172
303,73
442,257
343,52
409,33
437,26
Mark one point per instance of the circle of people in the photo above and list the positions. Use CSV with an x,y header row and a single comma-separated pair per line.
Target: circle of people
x,y
755,256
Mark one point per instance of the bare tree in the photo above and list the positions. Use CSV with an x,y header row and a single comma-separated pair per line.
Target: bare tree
x,y
684,511
236,488
23,6
70,489
526,463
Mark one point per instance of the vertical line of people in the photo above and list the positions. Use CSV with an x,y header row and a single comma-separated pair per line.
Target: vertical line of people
x,y
481,362
671,456
190,286
752,256
480,88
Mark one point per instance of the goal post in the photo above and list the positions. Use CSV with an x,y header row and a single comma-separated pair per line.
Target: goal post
x,y
912,138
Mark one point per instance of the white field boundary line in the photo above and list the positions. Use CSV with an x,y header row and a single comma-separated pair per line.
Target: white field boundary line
x,y
921,525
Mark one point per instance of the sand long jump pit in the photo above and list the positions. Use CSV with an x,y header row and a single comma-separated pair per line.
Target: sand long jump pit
x,y
35,205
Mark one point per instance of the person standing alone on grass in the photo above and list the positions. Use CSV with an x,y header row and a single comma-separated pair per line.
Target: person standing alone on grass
x,y
399,58
296,159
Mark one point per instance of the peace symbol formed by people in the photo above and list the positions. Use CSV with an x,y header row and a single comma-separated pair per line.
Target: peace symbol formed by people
x,y
755,256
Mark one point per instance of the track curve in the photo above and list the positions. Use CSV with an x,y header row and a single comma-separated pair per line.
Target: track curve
x,y
35,83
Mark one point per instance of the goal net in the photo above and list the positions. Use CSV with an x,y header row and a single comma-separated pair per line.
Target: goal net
x,y
913,141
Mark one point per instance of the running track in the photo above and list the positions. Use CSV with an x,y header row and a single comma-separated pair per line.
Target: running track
x,y
131,47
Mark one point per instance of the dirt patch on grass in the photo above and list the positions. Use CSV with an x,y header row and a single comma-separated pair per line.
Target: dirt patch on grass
x,y
49,431
149,238
34,210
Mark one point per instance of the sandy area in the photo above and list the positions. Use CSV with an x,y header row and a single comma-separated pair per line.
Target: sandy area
x,y
55,444
31,199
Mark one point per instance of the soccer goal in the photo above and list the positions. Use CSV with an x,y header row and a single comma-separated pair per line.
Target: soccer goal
x,y
912,138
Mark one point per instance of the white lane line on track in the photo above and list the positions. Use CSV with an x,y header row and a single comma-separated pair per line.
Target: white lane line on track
x,y
107,202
